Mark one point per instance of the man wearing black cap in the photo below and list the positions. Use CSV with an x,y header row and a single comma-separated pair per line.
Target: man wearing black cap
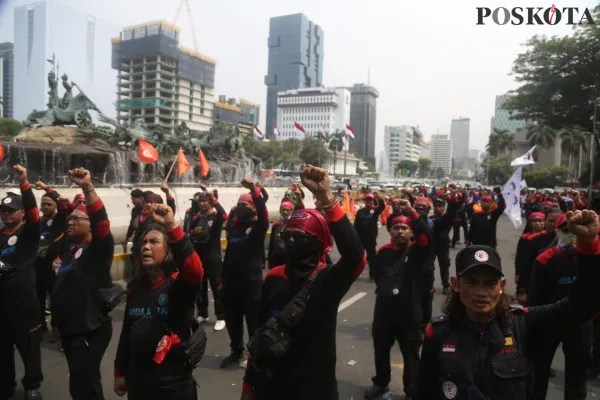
x,y
442,222
482,229
203,224
137,199
19,307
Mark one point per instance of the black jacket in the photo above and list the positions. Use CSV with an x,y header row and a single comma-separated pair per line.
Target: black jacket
x,y
208,242
153,311
442,225
307,371
460,358
365,222
482,229
535,244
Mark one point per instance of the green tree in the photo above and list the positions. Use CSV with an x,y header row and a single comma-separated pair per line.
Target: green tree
x,y
574,142
314,152
10,127
557,175
289,160
336,144
541,135
497,169
424,166
439,173
500,142
408,166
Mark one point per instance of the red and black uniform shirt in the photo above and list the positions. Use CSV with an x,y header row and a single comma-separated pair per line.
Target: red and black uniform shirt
x,y
535,244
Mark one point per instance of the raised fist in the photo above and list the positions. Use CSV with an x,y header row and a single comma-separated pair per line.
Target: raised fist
x,y
81,177
163,215
317,181
584,224
20,173
165,189
248,183
39,185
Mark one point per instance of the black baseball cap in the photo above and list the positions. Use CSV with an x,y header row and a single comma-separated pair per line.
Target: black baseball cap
x,y
476,255
200,196
440,201
12,202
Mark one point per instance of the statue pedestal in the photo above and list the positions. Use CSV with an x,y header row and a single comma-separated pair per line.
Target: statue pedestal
x,y
57,135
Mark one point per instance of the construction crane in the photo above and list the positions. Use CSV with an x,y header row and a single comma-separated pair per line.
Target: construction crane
x,y
189,13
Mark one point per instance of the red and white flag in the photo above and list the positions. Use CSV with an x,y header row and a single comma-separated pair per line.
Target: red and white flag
x,y
349,131
525,159
299,130
258,133
276,131
448,348
322,132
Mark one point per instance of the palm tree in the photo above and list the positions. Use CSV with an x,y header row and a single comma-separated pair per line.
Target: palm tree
x,y
508,142
336,144
541,135
574,143
497,142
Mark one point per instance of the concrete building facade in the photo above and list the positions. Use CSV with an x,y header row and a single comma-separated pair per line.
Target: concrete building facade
x,y
6,80
402,142
161,82
311,108
243,114
441,152
459,133
81,44
363,118
295,60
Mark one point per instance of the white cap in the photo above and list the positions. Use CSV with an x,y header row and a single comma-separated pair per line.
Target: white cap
x,y
16,191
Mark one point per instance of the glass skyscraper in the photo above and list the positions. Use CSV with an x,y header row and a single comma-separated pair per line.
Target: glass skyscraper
x,y
295,59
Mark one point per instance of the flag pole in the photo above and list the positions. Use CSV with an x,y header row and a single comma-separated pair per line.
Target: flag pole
x,y
172,166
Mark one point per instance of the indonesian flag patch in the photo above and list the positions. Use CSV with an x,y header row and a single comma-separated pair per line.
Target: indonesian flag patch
x,y
448,348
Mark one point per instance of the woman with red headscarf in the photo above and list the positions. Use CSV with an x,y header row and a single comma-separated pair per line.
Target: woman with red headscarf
x,y
304,368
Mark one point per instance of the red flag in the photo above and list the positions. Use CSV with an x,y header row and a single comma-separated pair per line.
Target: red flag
x,y
204,167
1,151
182,164
385,214
352,206
146,152
346,206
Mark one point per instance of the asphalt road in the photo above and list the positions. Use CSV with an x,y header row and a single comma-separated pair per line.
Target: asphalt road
x,y
354,345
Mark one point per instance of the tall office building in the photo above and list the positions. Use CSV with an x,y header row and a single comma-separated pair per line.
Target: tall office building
x,y
363,116
161,82
440,149
502,117
295,59
312,108
81,44
459,133
6,80
402,143
242,114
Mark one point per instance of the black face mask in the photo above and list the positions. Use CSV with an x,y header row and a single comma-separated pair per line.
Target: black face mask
x,y
244,214
302,258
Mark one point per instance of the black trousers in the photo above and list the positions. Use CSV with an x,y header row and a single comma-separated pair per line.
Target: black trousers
x,y
241,299
44,282
370,247
20,328
596,345
144,390
442,253
385,333
212,274
576,345
456,230
84,354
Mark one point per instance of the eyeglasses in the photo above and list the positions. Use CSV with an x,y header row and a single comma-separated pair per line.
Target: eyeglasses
x,y
298,237
75,218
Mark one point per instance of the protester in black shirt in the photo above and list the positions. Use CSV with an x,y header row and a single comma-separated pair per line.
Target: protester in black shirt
x,y
78,310
366,224
404,279
159,315
137,199
482,229
442,222
52,229
482,347
307,369
203,224
396,212
19,307
242,269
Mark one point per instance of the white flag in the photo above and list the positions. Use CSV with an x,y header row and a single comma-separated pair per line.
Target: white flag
x,y
525,159
512,193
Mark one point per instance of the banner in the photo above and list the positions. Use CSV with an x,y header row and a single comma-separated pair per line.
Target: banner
x,y
525,159
512,193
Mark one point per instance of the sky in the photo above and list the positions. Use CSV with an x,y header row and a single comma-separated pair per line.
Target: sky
x,y
428,59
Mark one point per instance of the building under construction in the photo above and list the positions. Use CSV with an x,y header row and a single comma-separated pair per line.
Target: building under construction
x,y
161,82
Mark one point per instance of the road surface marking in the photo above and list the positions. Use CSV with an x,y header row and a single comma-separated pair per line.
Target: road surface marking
x,y
351,301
